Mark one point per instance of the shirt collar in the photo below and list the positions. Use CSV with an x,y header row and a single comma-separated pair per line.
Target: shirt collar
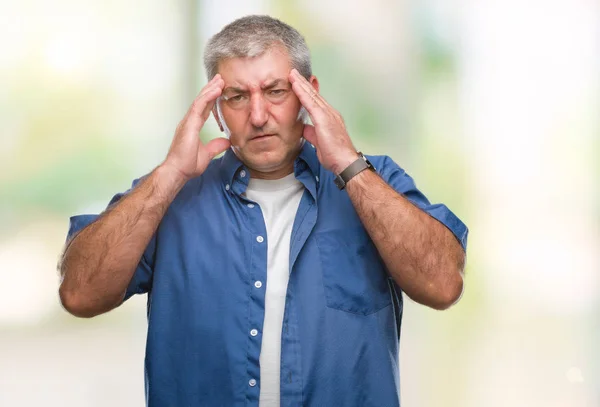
x,y
308,154
229,166
231,163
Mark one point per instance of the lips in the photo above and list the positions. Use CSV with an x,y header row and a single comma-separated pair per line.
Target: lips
x,y
261,137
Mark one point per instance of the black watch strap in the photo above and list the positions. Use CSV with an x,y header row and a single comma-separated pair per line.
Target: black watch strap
x,y
356,167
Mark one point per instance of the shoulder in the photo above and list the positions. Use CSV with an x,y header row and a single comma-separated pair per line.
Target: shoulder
x,y
385,165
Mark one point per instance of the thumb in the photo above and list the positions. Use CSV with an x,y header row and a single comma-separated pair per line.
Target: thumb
x,y
217,146
310,134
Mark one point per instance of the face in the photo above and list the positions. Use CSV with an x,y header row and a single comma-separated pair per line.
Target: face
x,y
261,112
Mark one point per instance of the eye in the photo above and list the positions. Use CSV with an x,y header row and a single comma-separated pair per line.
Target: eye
x,y
236,98
277,92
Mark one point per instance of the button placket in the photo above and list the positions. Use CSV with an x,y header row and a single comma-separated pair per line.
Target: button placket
x,y
258,261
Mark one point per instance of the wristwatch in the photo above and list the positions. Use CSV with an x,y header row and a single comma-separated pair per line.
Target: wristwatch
x,y
361,163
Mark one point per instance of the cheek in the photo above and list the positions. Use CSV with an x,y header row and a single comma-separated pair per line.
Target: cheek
x,y
232,119
286,114
235,123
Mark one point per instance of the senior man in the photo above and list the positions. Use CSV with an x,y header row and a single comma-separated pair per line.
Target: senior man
x,y
275,273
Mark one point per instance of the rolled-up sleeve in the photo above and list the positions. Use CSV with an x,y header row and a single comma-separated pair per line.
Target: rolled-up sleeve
x,y
398,179
141,281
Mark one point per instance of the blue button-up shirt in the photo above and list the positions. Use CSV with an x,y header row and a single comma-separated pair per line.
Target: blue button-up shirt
x,y
341,325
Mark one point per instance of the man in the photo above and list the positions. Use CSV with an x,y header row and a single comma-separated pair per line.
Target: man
x,y
274,273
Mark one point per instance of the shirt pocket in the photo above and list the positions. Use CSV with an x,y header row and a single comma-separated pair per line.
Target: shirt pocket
x,y
354,276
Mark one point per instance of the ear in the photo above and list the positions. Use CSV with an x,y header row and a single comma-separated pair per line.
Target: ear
x,y
216,116
314,82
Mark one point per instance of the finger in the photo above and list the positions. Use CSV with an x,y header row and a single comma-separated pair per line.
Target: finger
x,y
310,134
198,113
209,99
295,77
216,81
217,146
211,84
317,108
306,85
202,105
306,99
208,91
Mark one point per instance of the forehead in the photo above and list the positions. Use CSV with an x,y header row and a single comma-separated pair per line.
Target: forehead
x,y
254,72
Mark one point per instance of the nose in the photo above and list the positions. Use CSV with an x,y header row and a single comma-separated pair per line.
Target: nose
x,y
259,114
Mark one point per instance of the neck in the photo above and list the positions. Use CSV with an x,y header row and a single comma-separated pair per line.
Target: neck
x,y
276,174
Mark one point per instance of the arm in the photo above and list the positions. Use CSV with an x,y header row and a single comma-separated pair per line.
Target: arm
x,y
422,255
100,261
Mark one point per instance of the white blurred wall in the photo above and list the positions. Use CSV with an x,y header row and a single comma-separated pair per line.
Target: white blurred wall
x,y
515,117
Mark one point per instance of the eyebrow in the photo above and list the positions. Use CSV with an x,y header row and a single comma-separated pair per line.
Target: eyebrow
x,y
270,85
275,83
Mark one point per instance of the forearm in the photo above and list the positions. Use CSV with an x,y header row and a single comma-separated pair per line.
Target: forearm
x,y
98,264
422,255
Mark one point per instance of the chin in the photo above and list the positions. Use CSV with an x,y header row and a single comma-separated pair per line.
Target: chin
x,y
262,165
269,159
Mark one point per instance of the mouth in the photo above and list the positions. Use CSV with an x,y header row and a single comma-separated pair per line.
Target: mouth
x,y
261,137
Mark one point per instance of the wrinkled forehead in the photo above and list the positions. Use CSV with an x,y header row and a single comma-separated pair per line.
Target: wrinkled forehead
x,y
255,72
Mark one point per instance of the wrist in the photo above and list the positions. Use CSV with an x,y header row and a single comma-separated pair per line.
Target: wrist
x,y
343,162
360,164
169,178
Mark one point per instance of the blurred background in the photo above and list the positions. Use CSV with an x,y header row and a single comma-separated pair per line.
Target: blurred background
x,y
492,106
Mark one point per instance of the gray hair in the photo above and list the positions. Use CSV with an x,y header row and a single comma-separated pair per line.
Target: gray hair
x,y
251,36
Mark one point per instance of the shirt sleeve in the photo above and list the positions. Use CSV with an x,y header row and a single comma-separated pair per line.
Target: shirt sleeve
x,y
398,179
141,281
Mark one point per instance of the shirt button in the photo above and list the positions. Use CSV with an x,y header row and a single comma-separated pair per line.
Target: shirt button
x,y
252,382
257,284
227,187
250,206
254,332
317,178
242,173
260,239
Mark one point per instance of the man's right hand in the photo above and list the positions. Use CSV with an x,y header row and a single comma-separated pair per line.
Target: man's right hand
x,y
188,156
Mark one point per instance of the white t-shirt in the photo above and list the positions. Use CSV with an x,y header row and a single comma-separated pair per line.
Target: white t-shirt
x,y
278,201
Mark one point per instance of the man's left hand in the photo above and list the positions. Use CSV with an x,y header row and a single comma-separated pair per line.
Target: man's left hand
x,y
334,147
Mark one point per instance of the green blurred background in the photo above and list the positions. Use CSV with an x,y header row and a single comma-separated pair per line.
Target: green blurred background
x,y
492,106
